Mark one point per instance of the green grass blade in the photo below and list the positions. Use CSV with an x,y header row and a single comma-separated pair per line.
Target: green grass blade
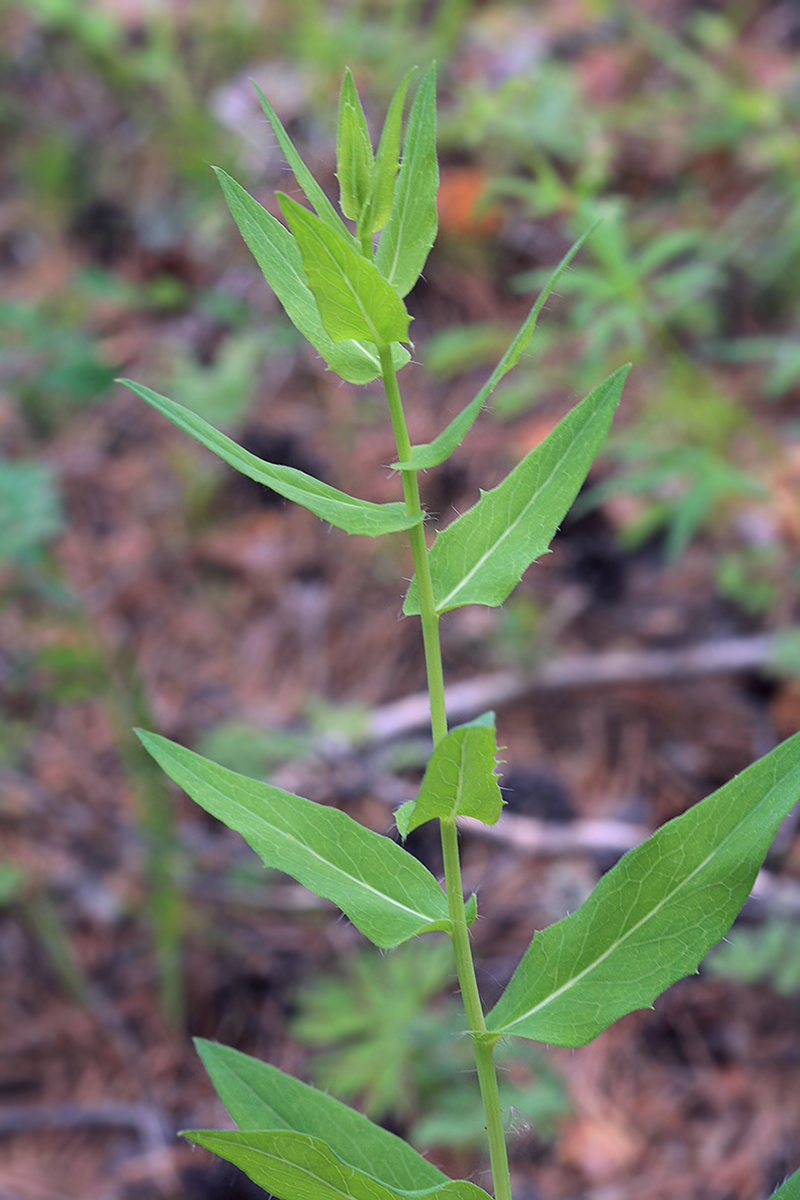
x,y
259,1096
654,916
297,1166
411,229
278,255
353,298
482,555
308,183
433,453
459,780
385,892
345,512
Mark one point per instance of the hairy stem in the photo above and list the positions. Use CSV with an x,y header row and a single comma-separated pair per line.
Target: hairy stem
x,y
484,1054
484,1060
419,551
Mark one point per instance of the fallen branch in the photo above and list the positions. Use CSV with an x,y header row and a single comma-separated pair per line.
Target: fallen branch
x,y
529,835
147,1122
771,895
472,696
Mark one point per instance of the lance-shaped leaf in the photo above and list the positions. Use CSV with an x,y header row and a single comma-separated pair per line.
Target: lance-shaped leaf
x,y
345,512
654,916
385,891
278,255
482,555
431,454
308,183
459,779
259,1096
297,1166
387,163
353,299
354,157
411,229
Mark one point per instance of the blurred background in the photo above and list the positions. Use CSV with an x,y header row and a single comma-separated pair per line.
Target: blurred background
x,y
647,659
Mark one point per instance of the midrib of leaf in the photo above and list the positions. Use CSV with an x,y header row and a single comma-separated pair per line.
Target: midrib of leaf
x,y
460,785
364,312
339,1189
402,220
396,258
373,358
331,866
259,1099
319,1180
341,271
580,435
565,987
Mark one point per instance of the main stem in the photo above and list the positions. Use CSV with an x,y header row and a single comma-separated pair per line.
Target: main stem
x,y
459,934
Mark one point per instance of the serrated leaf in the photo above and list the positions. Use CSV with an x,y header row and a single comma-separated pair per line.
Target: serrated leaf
x,y
411,229
259,1096
654,916
385,891
278,255
297,1166
482,555
789,1189
387,163
353,299
308,183
433,453
459,780
354,157
345,512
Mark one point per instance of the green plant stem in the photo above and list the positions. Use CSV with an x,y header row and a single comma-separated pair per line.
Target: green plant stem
x,y
419,551
484,1052
459,933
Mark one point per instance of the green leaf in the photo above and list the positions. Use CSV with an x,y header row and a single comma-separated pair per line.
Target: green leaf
x,y
278,255
354,301
459,780
308,183
654,916
387,162
433,453
790,1189
259,1096
343,511
384,891
297,1166
354,157
481,556
411,229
